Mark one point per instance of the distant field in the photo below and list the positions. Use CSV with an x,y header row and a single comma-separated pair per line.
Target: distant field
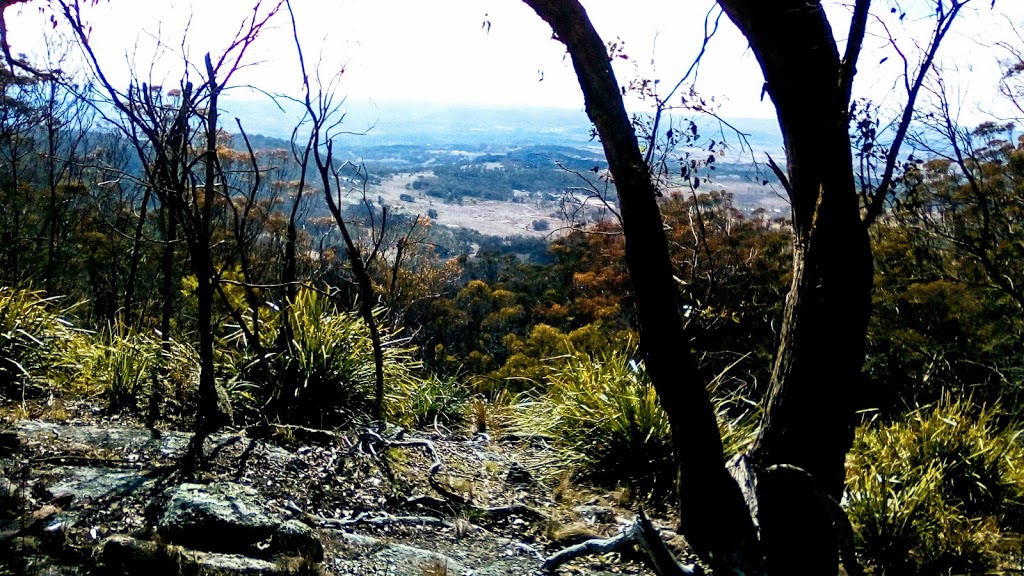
x,y
488,217
498,218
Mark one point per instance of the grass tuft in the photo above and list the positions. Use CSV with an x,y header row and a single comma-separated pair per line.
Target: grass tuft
x,y
604,412
936,491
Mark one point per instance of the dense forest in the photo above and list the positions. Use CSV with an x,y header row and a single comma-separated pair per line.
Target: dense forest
x,y
160,262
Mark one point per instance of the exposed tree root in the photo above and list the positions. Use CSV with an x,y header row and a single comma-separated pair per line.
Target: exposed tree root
x,y
363,518
642,534
374,442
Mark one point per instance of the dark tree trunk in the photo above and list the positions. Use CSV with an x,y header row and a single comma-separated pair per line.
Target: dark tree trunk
x,y
167,292
207,417
363,281
713,514
808,424
809,417
136,256
52,217
290,273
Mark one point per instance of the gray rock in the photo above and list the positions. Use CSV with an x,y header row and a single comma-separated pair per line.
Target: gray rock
x,y
225,414
230,518
11,499
403,560
293,538
596,514
86,483
221,517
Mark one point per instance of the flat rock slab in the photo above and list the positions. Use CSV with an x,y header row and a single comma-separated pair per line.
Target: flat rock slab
x,y
118,439
96,484
368,555
128,441
230,518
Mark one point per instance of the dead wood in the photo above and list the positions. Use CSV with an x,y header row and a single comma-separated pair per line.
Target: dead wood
x,y
640,534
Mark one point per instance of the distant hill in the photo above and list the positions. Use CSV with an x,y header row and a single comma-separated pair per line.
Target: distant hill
x,y
502,171
433,125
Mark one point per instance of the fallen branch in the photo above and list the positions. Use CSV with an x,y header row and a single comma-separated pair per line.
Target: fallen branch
x,y
642,534
298,433
369,438
361,518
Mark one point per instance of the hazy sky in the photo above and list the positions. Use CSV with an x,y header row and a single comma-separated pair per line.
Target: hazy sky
x,y
440,50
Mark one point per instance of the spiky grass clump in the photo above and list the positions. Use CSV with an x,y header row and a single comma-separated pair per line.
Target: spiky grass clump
x,y
934,492
34,338
122,366
604,411
428,401
326,374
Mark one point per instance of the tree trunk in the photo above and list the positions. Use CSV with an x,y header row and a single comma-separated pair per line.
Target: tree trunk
x,y
52,218
170,235
808,422
207,419
136,256
713,514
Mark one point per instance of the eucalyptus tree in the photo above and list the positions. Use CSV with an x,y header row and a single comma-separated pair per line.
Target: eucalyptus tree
x,y
777,513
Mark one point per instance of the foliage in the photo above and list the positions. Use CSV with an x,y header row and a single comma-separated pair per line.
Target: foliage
x,y
123,365
325,373
948,307
934,492
603,411
428,401
34,339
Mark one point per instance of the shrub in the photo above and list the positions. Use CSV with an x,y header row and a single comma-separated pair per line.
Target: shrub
x,y
34,338
326,374
933,492
604,413
428,401
123,364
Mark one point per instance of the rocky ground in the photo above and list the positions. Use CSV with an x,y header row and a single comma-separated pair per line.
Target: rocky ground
x,y
83,493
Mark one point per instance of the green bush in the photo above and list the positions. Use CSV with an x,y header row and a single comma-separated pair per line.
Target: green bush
x,y
604,413
934,492
122,365
34,340
326,374
428,401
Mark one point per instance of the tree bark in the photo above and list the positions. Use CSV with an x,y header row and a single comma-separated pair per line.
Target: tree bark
x,y
713,514
809,417
202,265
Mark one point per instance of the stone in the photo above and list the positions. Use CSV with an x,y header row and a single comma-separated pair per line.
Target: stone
x,y
518,475
220,517
225,413
126,555
595,514
11,500
293,538
230,518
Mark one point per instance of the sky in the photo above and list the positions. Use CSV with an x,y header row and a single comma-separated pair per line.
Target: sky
x,y
498,53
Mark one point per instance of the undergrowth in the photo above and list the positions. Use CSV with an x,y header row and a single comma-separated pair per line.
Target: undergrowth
x,y
324,376
34,341
937,491
603,412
